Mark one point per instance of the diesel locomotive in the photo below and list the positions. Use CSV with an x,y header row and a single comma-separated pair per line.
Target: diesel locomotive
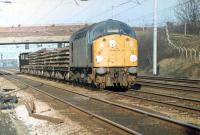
x,y
103,54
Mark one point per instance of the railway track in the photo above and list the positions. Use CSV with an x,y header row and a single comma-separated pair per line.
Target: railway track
x,y
182,80
132,120
182,104
170,83
189,105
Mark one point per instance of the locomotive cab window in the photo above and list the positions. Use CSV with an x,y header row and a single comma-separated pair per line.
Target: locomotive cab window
x,y
22,57
111,27
26,57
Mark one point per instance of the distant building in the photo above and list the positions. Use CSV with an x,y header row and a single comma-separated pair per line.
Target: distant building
x,y
8,63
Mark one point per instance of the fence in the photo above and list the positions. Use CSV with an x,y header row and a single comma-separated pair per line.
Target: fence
x,y
188,53
184,28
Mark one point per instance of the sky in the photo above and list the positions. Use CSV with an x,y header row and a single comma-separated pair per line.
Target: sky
x,y
47,12
44,12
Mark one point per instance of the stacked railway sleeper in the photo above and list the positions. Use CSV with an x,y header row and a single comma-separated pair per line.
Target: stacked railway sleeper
x,y
49,63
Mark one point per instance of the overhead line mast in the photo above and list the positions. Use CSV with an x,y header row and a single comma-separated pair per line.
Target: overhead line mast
x,y
155,72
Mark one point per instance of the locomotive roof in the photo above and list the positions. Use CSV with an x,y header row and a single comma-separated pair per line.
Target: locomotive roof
x,y
24,53
96,26
82,30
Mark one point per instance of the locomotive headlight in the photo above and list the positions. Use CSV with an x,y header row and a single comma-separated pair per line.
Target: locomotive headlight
x,y
131,44
99,58
102,45
112,43
133,58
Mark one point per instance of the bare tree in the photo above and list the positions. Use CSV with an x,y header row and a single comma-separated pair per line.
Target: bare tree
x,y
188,11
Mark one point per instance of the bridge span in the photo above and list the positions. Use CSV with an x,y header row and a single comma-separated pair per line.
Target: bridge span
x,y
37,34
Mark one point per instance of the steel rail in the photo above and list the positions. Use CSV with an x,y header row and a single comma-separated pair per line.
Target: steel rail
x,y
181,107
170,96
183,80
130,131
161,102
135,110
169,86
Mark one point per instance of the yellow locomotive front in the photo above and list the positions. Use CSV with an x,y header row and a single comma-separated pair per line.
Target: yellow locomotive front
x,y
115,56
115,51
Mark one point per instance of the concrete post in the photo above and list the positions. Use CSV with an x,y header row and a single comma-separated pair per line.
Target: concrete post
x,y
186,53
155,39
195,54
199,55
185,29
190,53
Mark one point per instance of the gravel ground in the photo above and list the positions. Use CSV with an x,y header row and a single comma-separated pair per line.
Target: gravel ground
x,y
75,122
172,113
6,124
9,122
41,127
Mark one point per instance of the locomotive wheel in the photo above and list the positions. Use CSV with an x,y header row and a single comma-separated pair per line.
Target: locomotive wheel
x,y
92,85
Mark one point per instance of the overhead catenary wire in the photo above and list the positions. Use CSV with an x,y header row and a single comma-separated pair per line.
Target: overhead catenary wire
x,y
49,12
44,17
82,11
139,4
36,11
76,2
105,12
146,16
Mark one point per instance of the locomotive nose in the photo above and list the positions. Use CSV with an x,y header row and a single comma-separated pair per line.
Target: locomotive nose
x,y
117,77
115,51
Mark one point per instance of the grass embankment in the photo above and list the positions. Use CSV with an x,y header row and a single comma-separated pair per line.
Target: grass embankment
x,y
188,41
171,63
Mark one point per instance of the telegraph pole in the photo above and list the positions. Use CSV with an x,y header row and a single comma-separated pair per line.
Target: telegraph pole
x,y
155,39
